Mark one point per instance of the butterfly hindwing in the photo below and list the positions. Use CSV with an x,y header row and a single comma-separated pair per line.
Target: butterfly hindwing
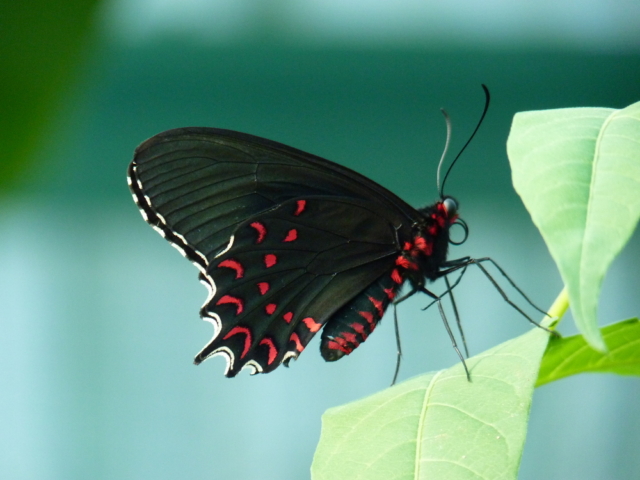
x,y
287,271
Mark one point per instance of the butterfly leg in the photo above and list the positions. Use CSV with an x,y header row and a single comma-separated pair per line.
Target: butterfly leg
x,y
397,330
446,325
436,299
399,347
455,312
463,262
449,291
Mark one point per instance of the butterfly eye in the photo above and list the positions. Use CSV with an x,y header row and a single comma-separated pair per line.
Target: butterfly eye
x,y
451,206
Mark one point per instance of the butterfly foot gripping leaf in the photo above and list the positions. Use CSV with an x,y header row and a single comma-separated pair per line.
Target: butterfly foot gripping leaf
x,y
286,242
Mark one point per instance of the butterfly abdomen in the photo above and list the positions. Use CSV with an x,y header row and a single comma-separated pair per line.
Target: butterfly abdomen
x,y
355,321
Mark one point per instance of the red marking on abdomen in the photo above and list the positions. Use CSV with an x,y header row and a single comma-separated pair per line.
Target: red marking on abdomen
x,y
270,308
301,204
336,346
261,229
425,246
270,260
234,265
273,351
312,324
368,316
247,341
378,305
296,339
351,338
291,236
359,329
395,276
406,263
229,299
433,229
288,316
391,293
340,341
264,287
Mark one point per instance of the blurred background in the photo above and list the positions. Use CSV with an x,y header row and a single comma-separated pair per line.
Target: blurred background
x,y
99,316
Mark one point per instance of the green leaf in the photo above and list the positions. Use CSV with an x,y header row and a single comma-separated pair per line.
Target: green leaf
x,y
572,355
41,44
578,173
438,425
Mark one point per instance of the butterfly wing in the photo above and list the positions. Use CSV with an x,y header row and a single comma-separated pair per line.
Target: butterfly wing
x,y
201,187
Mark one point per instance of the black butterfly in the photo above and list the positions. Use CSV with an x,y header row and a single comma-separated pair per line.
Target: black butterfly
x,y
286,242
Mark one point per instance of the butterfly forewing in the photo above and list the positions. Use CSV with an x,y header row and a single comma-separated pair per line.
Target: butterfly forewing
x,y
202,182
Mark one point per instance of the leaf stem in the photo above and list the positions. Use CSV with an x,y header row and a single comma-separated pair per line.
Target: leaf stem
x,y
557,310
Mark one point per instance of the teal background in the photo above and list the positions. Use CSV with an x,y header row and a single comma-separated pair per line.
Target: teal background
x,y
99,316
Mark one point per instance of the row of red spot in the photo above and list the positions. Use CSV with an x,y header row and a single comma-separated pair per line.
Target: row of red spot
x,y
269,260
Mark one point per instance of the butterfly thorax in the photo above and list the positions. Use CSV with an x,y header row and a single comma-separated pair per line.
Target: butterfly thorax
x,y
423,256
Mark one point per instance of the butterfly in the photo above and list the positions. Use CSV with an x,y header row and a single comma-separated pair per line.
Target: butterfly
x,y
288,244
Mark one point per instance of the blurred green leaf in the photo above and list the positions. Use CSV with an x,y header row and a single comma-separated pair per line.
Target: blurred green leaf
x,y
438,425
578,173
572,355
41,42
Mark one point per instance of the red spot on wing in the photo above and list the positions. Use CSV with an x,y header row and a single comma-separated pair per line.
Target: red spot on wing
x,y
247,340
296,339
291,236
270,260
395,276
264,287
287,317
261,229
312,324
229,299
378,306
433,229
391,293
300,206
234,265
407,246
406,263
273,351
270,308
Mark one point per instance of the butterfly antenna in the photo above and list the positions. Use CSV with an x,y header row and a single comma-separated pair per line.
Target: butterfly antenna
x,y
446,148
484,112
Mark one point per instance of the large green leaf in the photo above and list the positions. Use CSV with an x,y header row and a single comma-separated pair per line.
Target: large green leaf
x,y
578,173
41,42
438,425
572,355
